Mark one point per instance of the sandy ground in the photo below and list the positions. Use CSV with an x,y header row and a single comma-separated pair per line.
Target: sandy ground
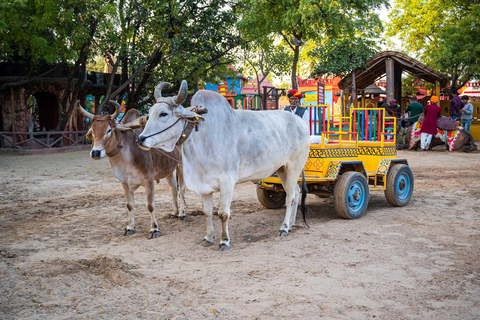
x,y
63,254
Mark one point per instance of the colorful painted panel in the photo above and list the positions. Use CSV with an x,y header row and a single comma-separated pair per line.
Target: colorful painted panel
x,y
333,153
314,164
372,151
383,166
333,169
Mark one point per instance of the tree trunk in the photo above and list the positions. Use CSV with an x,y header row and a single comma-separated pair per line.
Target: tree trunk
x,y
296,53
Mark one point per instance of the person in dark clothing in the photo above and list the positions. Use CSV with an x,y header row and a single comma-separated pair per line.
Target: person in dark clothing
x,y
393,110
415,109
455,106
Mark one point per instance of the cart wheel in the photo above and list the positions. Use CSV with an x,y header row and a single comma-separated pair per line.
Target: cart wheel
x,y
271,199
399,187
351,195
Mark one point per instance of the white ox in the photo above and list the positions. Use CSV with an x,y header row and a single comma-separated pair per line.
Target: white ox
x,y
230,147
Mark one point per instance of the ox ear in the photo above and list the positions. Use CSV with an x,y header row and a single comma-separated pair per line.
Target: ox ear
x,y
181,112
89,134
123,127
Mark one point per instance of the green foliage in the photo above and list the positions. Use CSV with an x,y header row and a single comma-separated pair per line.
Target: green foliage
x,y
310,20
50,31
264,57
340,57
146,41
442,33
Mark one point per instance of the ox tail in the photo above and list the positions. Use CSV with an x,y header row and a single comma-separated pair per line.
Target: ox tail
x,y
303,207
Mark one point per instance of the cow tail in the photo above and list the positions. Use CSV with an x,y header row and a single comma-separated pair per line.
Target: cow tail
x,y
303,207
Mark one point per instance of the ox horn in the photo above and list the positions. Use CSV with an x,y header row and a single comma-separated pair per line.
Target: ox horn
x,y
137,123
182,93
117,109
84,112
158,90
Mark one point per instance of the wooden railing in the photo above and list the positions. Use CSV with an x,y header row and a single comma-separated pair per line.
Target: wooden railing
x,y
42,139
363,124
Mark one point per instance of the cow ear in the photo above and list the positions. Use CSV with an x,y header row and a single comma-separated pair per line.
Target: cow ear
x,y
123,127
89,134
181,112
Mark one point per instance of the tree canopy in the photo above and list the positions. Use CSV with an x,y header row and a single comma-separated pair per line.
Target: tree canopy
x,y
441,33
145,41
340,57
298,21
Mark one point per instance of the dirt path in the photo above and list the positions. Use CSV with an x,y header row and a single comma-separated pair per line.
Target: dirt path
x,y
63,254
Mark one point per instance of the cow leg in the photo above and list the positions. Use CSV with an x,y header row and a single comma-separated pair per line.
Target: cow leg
x,y
150,189
289,183
130,229
208,212
181,184
173,189
226,195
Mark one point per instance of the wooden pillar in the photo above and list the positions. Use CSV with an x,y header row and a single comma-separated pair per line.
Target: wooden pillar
x,y
363,99
389,67
12,108
437,89
397,74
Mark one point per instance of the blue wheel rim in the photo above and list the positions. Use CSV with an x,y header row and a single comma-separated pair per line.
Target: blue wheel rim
x,y
356,196
402,187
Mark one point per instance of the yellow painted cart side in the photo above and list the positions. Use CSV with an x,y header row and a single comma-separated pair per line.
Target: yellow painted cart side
x,y
363,142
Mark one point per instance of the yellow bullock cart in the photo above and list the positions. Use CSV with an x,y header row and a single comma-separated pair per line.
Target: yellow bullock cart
x,y
354,155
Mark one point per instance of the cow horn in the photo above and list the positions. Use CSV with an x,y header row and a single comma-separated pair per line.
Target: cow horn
x,y
182,93
84,112
158,90
117,109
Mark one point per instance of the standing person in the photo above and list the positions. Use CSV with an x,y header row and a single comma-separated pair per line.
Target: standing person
x,y
415,109
455,106
294,97
429,125
393,110
383,104
467,114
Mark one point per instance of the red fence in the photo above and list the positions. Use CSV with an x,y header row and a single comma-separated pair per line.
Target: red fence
x,y
42,140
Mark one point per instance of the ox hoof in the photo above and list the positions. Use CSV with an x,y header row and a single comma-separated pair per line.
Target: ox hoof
x,y
206,243
183,218
154,234
283,233
223,247
129,232
173,216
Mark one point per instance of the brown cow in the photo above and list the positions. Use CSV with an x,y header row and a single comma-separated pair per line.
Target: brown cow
x,y
133,166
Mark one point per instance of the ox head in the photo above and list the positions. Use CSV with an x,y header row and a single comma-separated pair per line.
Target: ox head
x,y
103,131
166,120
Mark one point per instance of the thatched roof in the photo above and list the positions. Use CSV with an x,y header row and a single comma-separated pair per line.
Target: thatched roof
x,y
376,69
374,89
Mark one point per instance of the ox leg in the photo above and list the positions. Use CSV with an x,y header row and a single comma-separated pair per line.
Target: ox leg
x,y
181,184
130,229
208,211
150,189
289,183
173,189
226,194
293,216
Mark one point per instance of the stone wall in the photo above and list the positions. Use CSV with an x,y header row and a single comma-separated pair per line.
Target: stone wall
x,y
16,118
14,110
